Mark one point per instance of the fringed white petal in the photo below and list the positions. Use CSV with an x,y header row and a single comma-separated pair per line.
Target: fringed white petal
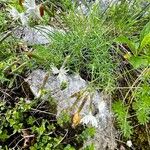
x,y
55,70
90,119
62,73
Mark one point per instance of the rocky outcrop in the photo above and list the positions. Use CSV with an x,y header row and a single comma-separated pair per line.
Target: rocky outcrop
x,y
104,136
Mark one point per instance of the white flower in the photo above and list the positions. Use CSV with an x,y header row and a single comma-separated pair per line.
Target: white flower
x,y
62,73
16,15
90,119
55,70
32,9
129,143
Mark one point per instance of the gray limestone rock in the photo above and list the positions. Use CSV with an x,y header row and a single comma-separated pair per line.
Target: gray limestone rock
x,y
37,35
104,136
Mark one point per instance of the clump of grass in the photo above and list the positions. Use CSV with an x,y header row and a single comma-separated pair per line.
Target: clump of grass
x,y
122,115
142,104
88,46
132,28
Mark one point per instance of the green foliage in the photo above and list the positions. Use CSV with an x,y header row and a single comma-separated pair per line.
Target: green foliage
x,y
145,38
122,115
3,22
47,134
126,18
87,46
63,85
15,3
145,31
63,119
142,104
69,147
88,40
66,5
140,49
89,147
87,133
139,57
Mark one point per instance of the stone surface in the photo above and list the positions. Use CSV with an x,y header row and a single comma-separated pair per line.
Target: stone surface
x,y
53,87
37,35
104,133
103,5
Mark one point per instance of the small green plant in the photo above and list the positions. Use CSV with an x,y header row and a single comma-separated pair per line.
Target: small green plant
x,y
122,115
87,133
135,51
63,119
89,147
142,104
87,45
43,133
140,54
